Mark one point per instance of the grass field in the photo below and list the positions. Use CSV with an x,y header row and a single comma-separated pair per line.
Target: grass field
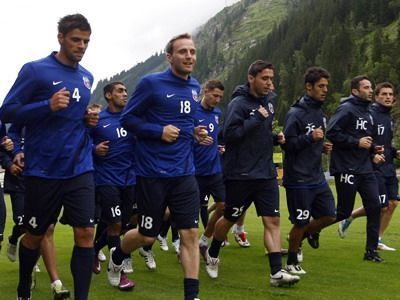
x,y
334,271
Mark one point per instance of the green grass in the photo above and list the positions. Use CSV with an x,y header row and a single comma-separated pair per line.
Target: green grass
x,y
335,271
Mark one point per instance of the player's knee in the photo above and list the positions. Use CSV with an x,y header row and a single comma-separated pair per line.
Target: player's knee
x,y
84,236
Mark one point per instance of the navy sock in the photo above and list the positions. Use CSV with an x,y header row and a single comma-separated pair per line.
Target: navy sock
x,y
191,288
213,251
17,231
204,215
81,269
118,256
175,233
292,258
275,262
100,241
100,228
148,247
113,241
27,260
165,227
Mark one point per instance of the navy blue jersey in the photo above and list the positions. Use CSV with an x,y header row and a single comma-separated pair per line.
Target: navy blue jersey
x,y
161,99
248,137
384,136
207,159
351,121
302,161
57,144
117,166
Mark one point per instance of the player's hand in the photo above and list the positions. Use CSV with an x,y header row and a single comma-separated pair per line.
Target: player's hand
x,y
317,134
263,111
327,147
14,169
201,134
221,149
207,141
378,159
281,138
19,159
102,148
380,149
170,133
7,143
60,99
365,142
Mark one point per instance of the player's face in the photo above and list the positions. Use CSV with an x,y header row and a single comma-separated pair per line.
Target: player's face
x,y
212,97
183,57
118,97
73,45
261,84
365,90
385,97
318,90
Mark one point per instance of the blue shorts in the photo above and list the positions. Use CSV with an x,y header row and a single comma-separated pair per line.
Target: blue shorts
x,y
388,189
211,185
45,197
241,193
304,203
116,203
153,195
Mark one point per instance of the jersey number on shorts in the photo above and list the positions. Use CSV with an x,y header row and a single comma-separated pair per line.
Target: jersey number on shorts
x,y
115,211
237,211
303,214
147,222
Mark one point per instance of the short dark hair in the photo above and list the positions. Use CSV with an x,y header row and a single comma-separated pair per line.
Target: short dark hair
x,y
382,85
214,84
71,22
169,48
110,87
355,82
314,74
258,66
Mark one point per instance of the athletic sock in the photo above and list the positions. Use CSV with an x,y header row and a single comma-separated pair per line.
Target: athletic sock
x,y
165,227
81,269
239,228
213,251
191,288
204,215
275,262
113,241
17,231
119,256
101,241
203,240
292,258
27,260
148,247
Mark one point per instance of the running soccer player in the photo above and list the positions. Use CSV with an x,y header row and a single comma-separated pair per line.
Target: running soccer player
x,y
114,174
385,169
249,171
207,160
310,200
351,130
49,98
161,113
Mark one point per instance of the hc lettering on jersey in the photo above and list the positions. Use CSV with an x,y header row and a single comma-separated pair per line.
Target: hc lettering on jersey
x,y
361,124
347,178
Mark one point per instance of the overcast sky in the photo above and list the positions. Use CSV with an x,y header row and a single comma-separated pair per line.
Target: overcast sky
x,y
124,32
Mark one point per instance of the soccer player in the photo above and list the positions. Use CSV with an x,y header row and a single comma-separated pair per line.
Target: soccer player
x,y
160,113
249,171
49,98
310,200
207,160
351,130
385,170
114,174
15,186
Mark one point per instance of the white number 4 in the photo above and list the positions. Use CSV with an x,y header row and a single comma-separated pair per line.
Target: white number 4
x,y
32,222
76,94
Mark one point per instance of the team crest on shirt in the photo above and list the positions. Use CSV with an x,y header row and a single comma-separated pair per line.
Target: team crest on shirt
x,y
86,82
216,120
195,96
271,108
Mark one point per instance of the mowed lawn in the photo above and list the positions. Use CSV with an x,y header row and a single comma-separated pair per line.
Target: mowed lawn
x,y
334,271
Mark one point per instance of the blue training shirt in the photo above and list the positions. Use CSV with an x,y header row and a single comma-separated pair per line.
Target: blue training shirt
x,y
116,168
57,144
207,159
161,99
